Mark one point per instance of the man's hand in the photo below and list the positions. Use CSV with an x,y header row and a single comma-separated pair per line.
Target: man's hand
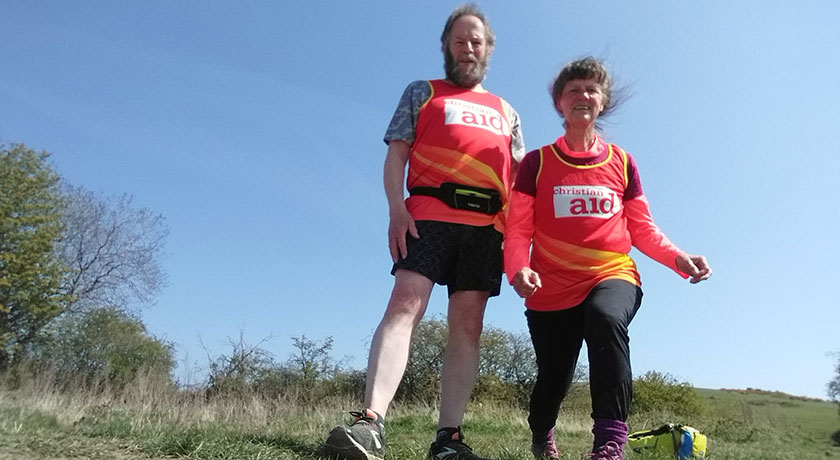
x,y
526,282
401,220
401,223
695,266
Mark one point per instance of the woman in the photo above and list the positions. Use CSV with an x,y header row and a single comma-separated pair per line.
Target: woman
x,y
579,201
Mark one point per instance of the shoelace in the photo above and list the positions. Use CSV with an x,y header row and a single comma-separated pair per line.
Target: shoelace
x,y
362,416
546,450
551,450
609,451
459,441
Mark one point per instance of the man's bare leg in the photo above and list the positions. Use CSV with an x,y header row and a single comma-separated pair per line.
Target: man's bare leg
x,y
460,361
392,339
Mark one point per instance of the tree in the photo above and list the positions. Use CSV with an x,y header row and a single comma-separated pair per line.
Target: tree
x,y
30,270
420,381
102,345
67,250
833,387
507,367
506,370
112,251
312,360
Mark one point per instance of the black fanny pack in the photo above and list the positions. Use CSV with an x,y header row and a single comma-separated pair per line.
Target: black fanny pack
x,y
485,200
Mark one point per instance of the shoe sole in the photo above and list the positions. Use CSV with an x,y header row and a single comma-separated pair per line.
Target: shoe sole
x,y
340,444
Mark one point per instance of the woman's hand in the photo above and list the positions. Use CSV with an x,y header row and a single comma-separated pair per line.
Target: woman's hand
x,y
526,282
694,266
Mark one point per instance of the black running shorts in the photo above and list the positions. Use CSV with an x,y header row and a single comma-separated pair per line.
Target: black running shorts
x,y
460,257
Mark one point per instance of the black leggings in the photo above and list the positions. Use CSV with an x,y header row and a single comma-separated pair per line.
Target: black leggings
x,y
602,320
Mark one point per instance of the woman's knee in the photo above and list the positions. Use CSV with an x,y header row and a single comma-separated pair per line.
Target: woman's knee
x,y
612,304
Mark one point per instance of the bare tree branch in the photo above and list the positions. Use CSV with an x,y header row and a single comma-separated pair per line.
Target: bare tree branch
x,y
113,250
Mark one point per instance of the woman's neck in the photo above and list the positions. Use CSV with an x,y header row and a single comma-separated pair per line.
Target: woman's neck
x,y
580,139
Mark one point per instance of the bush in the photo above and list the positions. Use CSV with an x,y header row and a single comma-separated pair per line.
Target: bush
x,y
101,346
308,376
506,369
491,389
654,391
421,380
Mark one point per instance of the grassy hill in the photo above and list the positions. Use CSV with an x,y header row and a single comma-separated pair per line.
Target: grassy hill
x,y
760,417
37,423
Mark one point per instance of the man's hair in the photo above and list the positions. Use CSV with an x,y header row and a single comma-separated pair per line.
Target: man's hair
x,y
468,9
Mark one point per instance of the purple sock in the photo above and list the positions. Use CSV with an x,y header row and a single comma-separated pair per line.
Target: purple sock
x,y
607,429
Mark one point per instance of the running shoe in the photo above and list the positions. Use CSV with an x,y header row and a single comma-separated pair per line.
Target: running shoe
x,y
547,449
364,439
609,451
450,445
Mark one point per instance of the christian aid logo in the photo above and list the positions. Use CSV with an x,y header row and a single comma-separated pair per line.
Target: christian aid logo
x,y
460,112
585,201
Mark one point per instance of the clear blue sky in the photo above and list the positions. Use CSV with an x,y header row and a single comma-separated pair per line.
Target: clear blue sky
x,y
256,129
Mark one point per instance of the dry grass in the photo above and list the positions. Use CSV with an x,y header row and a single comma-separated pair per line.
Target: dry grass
x,y
39,420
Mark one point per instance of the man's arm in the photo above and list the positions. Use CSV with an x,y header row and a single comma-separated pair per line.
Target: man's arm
x,y
400,220
517,141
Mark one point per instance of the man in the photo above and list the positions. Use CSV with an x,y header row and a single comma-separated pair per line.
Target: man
x,y
461,144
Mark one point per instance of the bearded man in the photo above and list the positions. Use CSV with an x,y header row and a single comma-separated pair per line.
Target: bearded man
x,y
461,144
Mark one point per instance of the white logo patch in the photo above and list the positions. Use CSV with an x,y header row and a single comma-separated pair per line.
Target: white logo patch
x,y
445,452
585,201
376,439
460,112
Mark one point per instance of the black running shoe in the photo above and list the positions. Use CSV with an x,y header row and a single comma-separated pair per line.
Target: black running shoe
x,y
364,439
450,445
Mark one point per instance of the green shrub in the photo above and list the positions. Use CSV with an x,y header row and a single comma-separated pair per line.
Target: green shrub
x,y
491,389
657,392
310,375
100,346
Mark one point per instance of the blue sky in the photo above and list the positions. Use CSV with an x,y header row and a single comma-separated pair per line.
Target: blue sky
x,y
256,129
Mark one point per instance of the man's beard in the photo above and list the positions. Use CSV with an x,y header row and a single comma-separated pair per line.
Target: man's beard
x,y
464,78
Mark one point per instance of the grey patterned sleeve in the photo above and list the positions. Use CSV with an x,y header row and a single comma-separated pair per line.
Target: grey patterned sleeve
x,y
517,140
404,122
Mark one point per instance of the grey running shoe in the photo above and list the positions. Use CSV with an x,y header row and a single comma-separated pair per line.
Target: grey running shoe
x,y
364,439
609,451
450,445
546,449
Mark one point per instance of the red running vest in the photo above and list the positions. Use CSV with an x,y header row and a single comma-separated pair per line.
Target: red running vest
x,y
581,235
462,136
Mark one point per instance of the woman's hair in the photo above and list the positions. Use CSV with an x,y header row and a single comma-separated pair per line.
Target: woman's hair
x,y
585,69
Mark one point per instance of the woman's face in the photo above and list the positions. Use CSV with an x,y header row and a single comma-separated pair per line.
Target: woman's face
x,y
581,102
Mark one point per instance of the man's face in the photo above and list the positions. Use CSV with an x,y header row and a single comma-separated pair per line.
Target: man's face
x,y
467,55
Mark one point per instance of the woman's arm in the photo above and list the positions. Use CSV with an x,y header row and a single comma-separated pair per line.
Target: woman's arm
x,y
647,236
518,234
649,239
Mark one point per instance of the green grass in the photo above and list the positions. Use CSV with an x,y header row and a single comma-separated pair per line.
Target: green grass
x,y
773,422
40,423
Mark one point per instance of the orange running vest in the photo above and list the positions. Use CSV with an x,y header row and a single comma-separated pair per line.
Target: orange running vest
x,y
462,136
581,235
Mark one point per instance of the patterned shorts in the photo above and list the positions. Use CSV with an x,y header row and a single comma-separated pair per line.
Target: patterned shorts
x,y
460,257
